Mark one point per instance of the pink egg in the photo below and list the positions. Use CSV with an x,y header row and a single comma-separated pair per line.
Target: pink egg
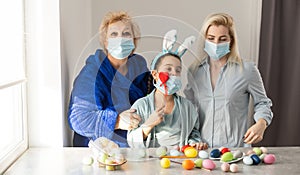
x,y
176,147
234,168
250,152
208,164
225,167
221,148
269,159
264,150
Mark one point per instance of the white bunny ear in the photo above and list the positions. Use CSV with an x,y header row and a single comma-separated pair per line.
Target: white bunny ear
x,y
169,40
185,45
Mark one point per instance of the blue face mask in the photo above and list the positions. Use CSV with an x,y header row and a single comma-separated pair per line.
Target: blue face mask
x,y
120,47
216,51
173,85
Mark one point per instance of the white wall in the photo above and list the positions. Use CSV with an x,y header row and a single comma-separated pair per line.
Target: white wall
x,y
80,21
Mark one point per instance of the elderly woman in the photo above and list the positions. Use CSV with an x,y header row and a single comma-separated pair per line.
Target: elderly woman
x,y
110,82
220,85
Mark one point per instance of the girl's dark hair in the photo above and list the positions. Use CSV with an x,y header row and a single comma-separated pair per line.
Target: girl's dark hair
x,y
150,85
159,60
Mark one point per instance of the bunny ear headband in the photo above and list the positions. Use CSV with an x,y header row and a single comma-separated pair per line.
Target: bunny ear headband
x,y
168,44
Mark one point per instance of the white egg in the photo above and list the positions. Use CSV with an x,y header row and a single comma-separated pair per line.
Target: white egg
x,y
88,160
174,152
203,154
234,168
247,160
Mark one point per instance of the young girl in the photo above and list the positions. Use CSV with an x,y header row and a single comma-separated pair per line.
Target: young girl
x,y
167,119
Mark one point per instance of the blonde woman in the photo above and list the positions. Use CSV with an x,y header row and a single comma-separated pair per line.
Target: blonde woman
x,y
220,85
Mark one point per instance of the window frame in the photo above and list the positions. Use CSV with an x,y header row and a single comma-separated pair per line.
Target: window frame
x,y
20,146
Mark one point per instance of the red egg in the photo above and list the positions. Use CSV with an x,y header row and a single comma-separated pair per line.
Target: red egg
x,y
184,147
208,164
224,150
269,159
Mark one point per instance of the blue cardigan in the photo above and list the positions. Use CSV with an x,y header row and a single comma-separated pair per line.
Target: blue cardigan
x,y
100,93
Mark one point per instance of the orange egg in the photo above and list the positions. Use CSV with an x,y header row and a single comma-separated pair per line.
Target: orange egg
x,y
188,164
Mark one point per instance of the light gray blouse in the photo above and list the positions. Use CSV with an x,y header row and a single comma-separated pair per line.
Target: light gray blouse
x,y
223,111
178,128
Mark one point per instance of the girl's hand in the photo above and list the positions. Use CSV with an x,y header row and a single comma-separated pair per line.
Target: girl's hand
x,y
155,118
199,146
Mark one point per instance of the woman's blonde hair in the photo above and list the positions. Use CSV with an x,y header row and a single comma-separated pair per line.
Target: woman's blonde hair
x,y
112,17
226,20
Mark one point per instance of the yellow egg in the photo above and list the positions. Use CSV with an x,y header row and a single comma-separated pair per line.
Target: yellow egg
x,y
190,152
165,163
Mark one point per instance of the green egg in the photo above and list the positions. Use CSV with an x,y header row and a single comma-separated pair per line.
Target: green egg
x,y
198,163
226,157
257,151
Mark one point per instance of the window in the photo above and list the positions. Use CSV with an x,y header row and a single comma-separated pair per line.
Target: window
x,y
13,121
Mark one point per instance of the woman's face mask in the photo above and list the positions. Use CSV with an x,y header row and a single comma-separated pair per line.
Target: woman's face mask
x,y
216,51
168,85
120,47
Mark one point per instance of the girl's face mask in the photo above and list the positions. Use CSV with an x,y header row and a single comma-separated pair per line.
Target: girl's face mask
x,y
168,85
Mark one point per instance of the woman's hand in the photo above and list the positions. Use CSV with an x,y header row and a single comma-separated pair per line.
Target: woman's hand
x,y
128,120
256,132
199,146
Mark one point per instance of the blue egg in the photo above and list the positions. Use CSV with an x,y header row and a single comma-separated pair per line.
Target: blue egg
x,y
215,153
256,159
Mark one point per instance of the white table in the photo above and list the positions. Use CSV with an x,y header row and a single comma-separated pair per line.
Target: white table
x,y
64,161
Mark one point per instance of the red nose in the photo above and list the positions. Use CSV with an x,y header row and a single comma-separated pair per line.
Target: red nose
x,y
163,76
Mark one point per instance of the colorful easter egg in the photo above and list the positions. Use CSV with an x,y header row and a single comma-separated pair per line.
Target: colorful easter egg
x,y
208,164
237,154
226,157
234,168
198,163
264,150
247,160
190,152
269,159
225,167
255,158
203,154
174,152
225,150
257,151
215,153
